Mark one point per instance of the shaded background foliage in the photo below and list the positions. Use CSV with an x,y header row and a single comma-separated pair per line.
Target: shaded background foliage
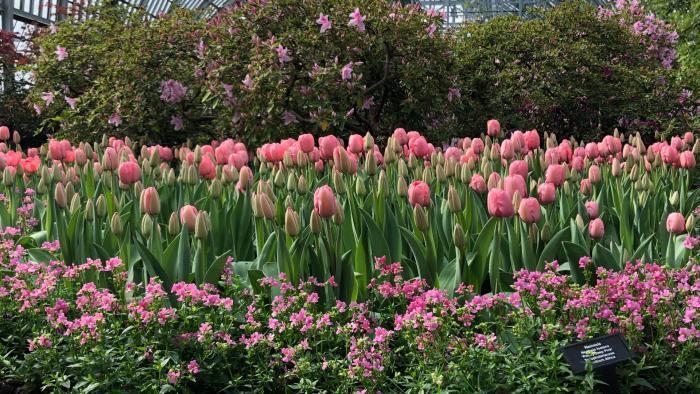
x,y
569,71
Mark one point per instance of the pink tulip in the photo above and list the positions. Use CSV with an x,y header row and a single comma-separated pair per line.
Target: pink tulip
x,y
669,155
555,174
419,194
80,157
4,133
318,165
188,216
518,139
687,160
689,138
529,210
532,139
129,172
477,145
507,150
478,184
306,143
400,136
546,192
493,128
452,153
327,144
419,146
499,203
493,180
207,168
515,183
245,178
591,150
675,223
596,228
356,144
577,163
594,174
325,203
57,150
150,202
111,159
592,209
518,167
585,188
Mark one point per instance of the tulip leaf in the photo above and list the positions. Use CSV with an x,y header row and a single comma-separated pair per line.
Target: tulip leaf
x,y
40,255
574,252
264,255
552,249
603,257
483,245
418,250
450,275
377,243
394,240
182,262
216,268
154,268
529,260
169,258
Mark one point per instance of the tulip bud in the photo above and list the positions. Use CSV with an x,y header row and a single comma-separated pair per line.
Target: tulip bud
x,y
696,147
89,210
402,169
15,137
291,182
533,231
466,175
7,178
369,142
287,160
440,173
302,186
412,161
401,187
215,188
291,222
338,183
516,200
315,222
266,206
579,223
146,226
428,175
360,189
60,195
339,216
173,224
546,232
674,199
382,183
75,203
41,188
202,225
450,168
116,224
634,173
690,223
421,218
279,179
370,164
616,167
458,237
150,201
453,200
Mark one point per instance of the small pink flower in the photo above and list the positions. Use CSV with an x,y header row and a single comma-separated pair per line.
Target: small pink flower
x,y
283,54
357,20
61,53
193,367
173,376
346,72
324,22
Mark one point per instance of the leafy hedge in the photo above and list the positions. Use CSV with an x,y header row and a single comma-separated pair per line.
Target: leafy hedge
x,y
121,74
571,72
394,68
262,71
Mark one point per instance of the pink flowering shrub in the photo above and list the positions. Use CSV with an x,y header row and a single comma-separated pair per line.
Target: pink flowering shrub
x,y
284,67
120,72
87,326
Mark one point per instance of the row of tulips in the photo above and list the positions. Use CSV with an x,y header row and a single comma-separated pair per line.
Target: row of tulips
x,y
474,212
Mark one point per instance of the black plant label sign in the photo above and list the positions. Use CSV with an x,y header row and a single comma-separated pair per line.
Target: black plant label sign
x,y
601,352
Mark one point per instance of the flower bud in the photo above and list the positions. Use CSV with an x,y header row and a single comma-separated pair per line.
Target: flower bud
x,y
579,223
339,216
302,186
690,223
360,188
215,188
338,183
202,225
370,164
453,200
369,142
427,175
401,187
616,167
266,206
291,182
421,218
315,222
402,169
116,224
150,201
382,183
7,177
674,199
458,237
279,179
173,224
440,173
146,226
291,222
546,232
75,203
89,210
